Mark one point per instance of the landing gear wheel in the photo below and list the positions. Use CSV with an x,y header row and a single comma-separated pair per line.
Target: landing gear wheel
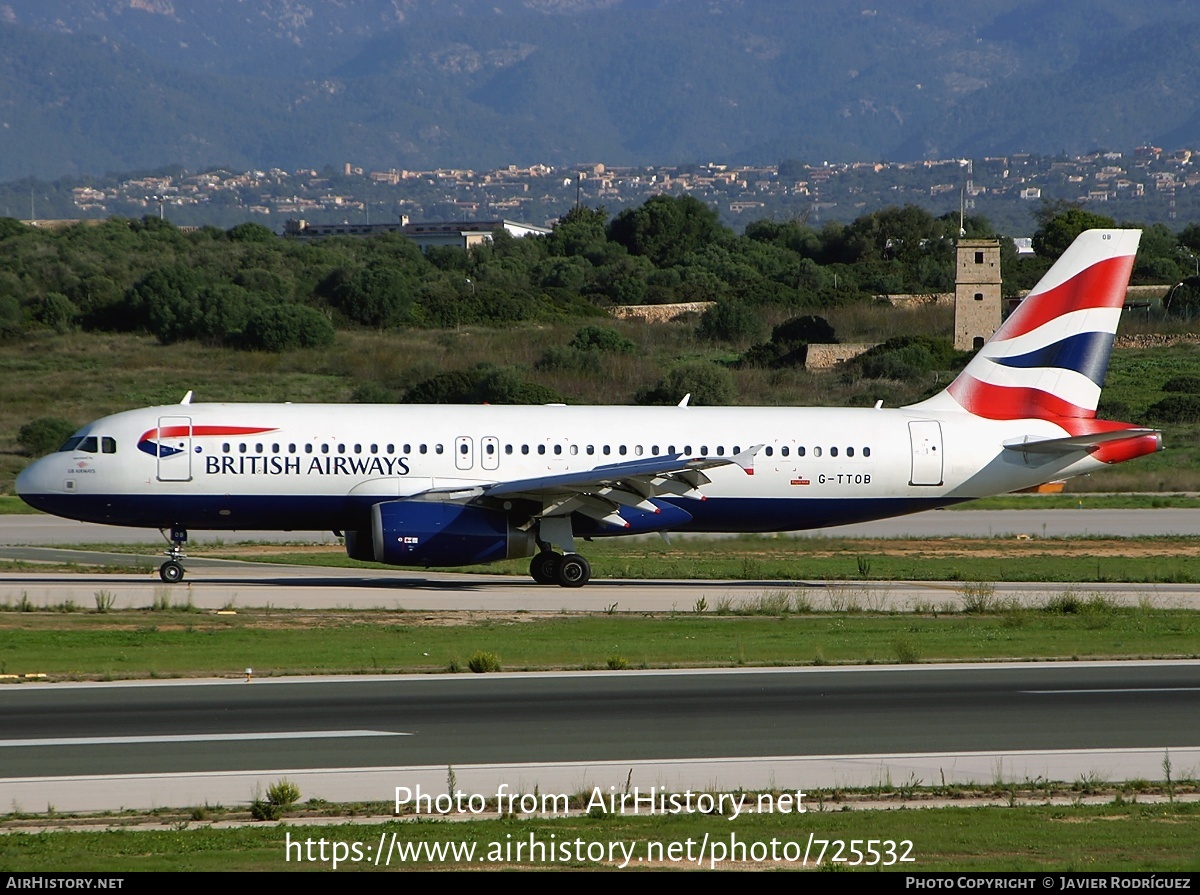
x,y
170,571
574,571
544,567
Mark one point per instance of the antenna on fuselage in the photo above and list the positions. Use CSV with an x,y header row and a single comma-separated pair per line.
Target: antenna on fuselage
x,y
187,399
684,402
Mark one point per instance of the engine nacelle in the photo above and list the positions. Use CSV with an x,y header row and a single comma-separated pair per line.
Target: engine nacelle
x,y
427,533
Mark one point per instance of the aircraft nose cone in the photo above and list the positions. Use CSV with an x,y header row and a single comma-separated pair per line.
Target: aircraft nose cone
x,y
32,482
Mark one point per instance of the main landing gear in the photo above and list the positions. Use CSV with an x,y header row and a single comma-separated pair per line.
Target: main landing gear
x,y
565,570
172,570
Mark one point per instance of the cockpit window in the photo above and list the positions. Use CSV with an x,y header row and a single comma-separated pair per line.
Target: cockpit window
x,y
71,443
108,444
89,445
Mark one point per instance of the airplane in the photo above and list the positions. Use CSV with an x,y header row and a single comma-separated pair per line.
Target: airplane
x,y
459,485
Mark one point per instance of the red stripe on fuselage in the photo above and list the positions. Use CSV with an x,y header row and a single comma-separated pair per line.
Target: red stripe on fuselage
x,y
200,431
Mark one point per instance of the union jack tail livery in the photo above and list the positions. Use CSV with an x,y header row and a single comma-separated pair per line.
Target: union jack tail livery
x,y
1049,358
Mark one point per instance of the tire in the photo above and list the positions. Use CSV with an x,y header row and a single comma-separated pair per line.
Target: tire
x,y
543,568
574,571
170,571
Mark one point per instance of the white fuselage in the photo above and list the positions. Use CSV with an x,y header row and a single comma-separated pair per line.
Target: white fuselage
x,y
295,467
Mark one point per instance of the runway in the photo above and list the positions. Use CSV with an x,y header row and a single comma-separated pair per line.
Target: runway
x,y
97,746
81,746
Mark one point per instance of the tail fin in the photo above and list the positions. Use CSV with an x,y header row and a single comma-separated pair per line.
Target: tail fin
x,y
1049,358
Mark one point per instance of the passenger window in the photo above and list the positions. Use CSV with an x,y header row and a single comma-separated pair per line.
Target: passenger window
x,y
407,449
849,452
291,449
866,452
574,450
258,448
463,449
242,448
654,450
324,449
621,450
489,449
508,449
770,452
424,449
341,449
800,451
784,450
607,450
274,449
833,452
437,448
358,449
374,449
391,449
541,449
558,450
591,449
816,452
638,450
308,448
524,449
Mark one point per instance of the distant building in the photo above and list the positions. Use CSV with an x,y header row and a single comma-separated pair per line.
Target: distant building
x,y
976,293
460,234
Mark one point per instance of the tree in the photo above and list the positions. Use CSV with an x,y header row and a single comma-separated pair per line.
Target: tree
x,y
1059,224
666,229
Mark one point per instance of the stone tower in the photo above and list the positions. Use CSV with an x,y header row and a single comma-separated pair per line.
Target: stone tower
x,y
976,293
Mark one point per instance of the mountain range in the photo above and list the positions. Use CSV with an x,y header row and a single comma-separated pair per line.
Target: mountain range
x,y
93,86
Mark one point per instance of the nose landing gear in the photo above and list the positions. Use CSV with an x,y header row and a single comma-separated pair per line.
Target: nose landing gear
x,y
171,571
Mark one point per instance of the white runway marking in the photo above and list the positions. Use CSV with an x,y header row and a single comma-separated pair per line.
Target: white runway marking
x,y
204,738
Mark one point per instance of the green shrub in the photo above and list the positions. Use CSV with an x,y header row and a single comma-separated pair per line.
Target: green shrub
x,y
43,435
1187,384
1175,409
286,327
707,383
731,321
601,338
483,662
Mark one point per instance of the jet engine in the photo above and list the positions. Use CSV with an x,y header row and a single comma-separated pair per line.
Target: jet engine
x,y
429,533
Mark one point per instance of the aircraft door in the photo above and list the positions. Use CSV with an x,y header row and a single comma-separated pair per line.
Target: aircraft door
x,y
490,448
464,452
926,436
174,440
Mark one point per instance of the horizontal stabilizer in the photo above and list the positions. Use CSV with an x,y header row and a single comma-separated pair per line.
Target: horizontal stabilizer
x,y
1073,443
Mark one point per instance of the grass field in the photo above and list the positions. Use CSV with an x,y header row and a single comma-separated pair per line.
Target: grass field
x,y
776,628
1120,835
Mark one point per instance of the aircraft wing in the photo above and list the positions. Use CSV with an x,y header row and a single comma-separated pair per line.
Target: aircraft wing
x,y
601,492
